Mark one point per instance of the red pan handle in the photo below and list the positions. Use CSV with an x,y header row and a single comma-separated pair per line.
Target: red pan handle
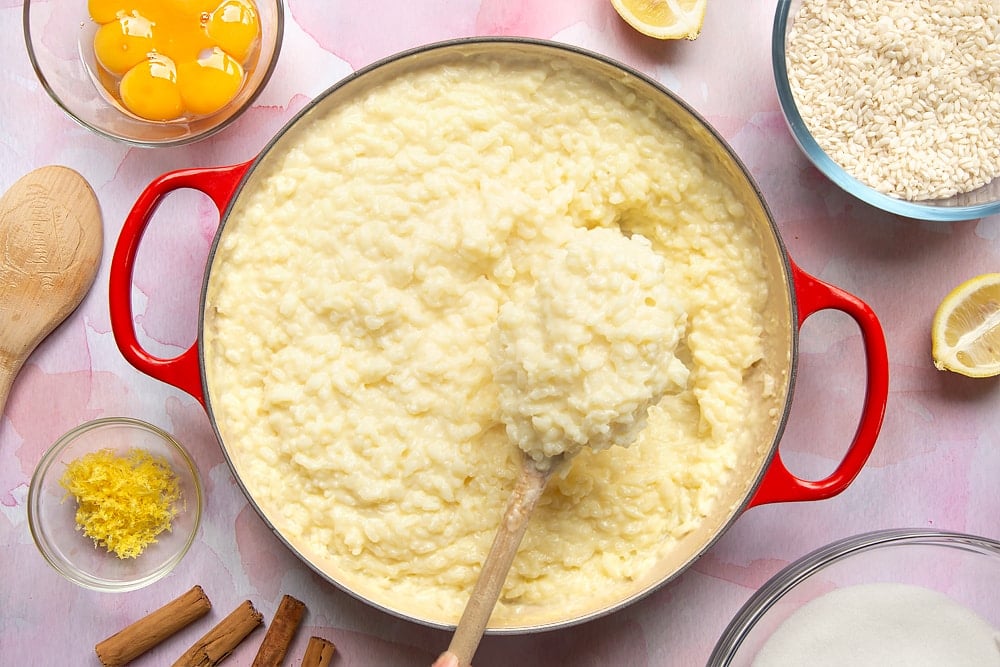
x,y
182,371
778,484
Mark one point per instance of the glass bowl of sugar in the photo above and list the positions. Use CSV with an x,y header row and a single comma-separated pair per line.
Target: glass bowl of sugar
x,y
896,103
894,597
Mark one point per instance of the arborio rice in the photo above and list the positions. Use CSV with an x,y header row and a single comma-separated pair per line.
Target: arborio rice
x,y
352,301
903,94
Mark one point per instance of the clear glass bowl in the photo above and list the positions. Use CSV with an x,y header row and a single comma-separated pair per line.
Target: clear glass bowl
x,y
966,568
52,512
59,38
967,206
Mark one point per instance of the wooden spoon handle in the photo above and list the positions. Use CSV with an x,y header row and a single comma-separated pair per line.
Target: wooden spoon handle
x,y
527,491
7,374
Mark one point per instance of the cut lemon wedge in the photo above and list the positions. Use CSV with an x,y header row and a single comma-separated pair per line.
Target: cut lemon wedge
x,y
663,19
965,332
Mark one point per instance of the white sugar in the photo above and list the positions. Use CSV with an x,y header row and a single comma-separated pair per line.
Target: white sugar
x,y
882,625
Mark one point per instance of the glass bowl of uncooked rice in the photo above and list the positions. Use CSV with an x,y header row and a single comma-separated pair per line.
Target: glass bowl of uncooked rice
x,y
896,101
911,597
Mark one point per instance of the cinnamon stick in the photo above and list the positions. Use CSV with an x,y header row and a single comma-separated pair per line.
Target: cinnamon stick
x,y
319,652
132,641
279,634
221,640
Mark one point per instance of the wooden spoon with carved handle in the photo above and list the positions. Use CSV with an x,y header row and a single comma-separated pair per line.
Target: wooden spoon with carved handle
x,y
51,238
528,489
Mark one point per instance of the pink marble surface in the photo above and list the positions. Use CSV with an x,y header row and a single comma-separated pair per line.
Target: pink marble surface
x,y
935,465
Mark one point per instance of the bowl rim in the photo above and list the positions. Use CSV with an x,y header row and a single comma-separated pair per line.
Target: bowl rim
x,y
826,165
790,576
67,569
279,21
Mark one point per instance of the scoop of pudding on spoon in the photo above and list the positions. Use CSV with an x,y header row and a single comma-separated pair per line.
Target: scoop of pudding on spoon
x,y
581,354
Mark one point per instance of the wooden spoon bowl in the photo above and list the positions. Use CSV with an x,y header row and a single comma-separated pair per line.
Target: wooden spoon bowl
x,y
51,238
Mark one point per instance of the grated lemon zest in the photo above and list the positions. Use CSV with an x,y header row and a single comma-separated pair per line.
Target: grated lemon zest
x,y
123,502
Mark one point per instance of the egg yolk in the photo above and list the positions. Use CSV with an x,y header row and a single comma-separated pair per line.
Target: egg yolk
x,y
106,11
172,59
209,83
234,27
123,43
150,89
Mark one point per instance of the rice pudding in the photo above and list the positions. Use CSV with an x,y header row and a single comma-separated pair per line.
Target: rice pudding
x,y
347,333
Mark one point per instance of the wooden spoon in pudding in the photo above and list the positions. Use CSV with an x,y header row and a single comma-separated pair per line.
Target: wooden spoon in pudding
x,y
528,489
581,352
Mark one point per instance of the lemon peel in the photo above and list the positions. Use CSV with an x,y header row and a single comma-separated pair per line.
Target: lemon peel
x,y
123,502
965,331
663,19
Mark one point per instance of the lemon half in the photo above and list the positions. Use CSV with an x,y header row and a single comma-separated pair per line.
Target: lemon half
x,y
965,332
663,19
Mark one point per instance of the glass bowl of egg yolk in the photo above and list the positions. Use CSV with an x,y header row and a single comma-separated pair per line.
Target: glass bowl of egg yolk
x,y
154,72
